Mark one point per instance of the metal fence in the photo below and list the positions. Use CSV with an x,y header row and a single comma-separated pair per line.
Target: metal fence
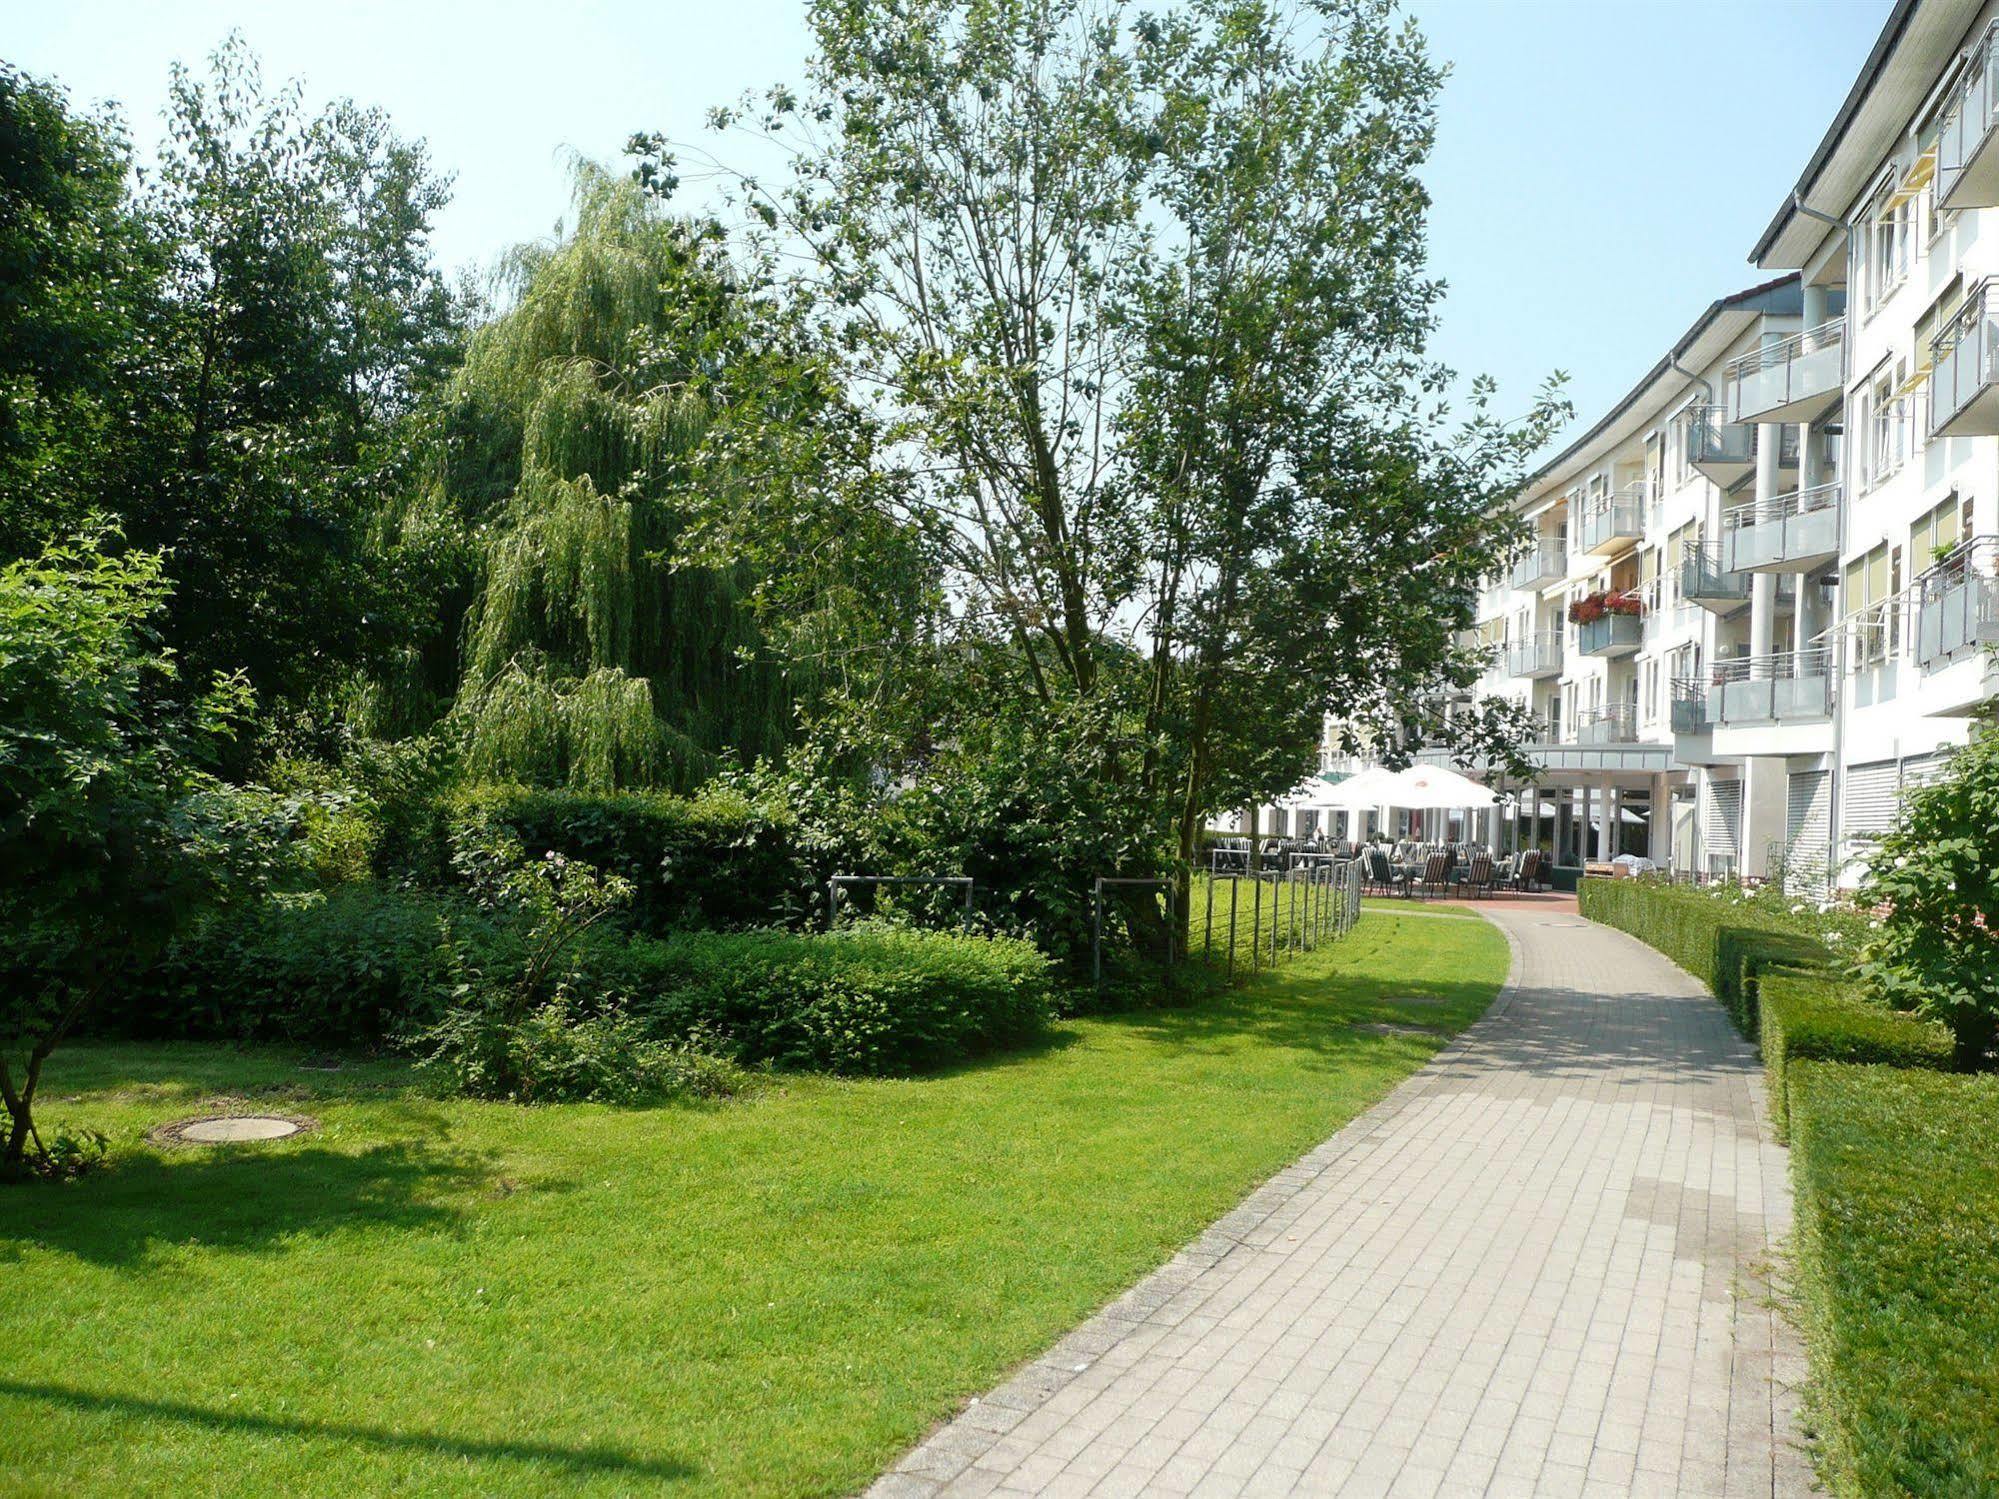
x,y
1316,900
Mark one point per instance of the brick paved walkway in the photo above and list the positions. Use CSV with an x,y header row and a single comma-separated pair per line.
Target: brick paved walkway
x,y
1535,1268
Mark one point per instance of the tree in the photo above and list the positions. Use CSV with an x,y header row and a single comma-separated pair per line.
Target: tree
x,y
1935,880
1142,298
104,846
79,299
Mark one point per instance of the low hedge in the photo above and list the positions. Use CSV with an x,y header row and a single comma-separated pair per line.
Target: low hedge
x,y
715,860
1897,1174
865,1000
1726,944
1809,1016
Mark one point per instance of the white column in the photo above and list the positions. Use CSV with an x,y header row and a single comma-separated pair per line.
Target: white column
x,y
1606,814
1660,848
1763,586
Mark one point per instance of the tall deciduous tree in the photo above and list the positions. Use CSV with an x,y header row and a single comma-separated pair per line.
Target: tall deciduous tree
x,y
1142,298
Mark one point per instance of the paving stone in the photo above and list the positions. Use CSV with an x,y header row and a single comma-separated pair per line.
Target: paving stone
x,y
1537,1268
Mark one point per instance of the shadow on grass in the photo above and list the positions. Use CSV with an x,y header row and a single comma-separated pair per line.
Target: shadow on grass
x,y
578,1461
237,1199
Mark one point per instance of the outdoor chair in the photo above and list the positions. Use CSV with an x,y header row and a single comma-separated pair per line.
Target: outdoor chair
x,y
1437,873
1475,878
1529,870
1383,876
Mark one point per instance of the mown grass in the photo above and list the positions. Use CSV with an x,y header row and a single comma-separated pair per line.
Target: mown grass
x,y
769,1296
1897,1173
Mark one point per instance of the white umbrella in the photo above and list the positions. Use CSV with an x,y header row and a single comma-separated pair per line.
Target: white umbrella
x,y
1432,788
1364,791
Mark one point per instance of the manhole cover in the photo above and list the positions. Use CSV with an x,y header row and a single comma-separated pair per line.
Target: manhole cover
x,y
231,1129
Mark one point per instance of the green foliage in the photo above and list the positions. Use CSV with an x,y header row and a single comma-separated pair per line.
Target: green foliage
x,y
719,859
1936,879
555,1053
1722,935
1897,1176
1813,1016
865,1000
104,842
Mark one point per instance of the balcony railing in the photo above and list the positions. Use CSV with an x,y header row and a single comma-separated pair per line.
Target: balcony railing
x,y
1724,451
1704,581
1536,655
1790,379
1786,533
1690,713
1964,373
1616,724
1791,686
1967,163
1614,519
1610,635
1547,563
1957,604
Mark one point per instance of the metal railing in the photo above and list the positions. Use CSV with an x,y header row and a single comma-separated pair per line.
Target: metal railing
x,y
1615,724
1968,118
1777,688
1786,370
1690,707
1616,516
1957,603
1544,563
1802,525
1781,506
1714,440
1703,580
1964,357
1536,655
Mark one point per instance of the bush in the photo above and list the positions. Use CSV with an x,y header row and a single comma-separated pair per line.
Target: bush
x,y
1936,878
1897,1176
1721,935
1806,1016
554,1054
350,967
865,1000
717,860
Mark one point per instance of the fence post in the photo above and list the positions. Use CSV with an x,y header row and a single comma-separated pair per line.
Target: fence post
x,y
1235,893
1208,940
1255,920
1097,934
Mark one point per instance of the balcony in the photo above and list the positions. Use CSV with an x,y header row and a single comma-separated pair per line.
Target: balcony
x,y
1617,724
1610,635
1964,373
1704,581
1957,605
1789,533
1547,563
1790,687
1616,520
1725,451
1967,160
1790,380
1690,716
1535,656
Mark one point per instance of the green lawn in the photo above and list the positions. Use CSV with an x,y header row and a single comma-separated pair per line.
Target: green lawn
x,y
770,1296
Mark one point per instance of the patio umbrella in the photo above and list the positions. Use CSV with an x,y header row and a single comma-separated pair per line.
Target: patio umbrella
x,y
1364,791
1432,788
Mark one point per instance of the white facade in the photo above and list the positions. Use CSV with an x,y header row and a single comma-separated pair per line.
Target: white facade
x,y
1786,531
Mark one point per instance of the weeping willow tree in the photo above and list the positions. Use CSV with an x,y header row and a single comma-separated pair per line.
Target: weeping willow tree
x,y
572,451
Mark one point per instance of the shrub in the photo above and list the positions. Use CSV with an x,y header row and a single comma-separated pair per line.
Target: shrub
x,y
1936,877
1722,936
349,967
866,1000
717,860
1897,1176
556,1054
1809,1016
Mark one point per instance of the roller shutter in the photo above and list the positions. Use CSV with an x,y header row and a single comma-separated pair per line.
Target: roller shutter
x,y
1721,822
1870,797
1808,832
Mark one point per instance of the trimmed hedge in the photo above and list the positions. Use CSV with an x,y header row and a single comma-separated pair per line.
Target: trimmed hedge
x,y
1806,1016
865,1000
710,861
1897,1175
1725,944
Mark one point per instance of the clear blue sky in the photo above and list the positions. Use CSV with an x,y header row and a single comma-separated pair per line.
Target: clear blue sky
x,y
1603,168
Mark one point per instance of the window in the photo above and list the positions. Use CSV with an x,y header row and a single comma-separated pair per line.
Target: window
x,y
1887,422
1935,533
1889,241
1870,588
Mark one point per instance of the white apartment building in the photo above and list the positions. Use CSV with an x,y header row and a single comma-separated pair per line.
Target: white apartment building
x,y
1763,587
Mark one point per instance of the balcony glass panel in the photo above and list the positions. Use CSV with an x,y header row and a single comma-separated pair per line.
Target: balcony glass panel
x,y
1546,563
1967,163
1690,707
1789,531
1957,608
1616,518
1610,635
1704,581
1537,655
1617,724
1788,379
1964,375
1792,686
